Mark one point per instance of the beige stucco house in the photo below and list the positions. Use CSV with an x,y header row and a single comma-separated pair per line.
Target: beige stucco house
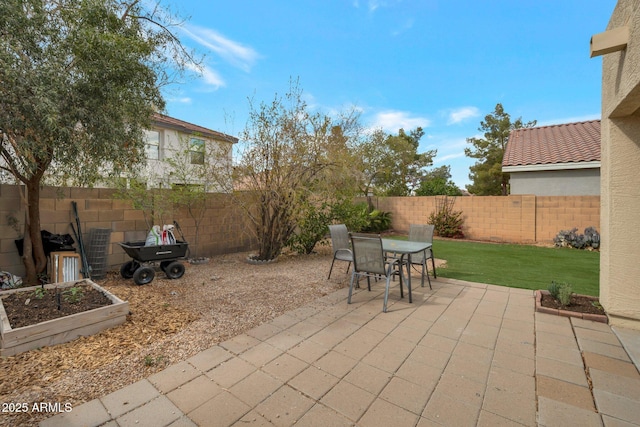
x,y
555,160
619,47
169,137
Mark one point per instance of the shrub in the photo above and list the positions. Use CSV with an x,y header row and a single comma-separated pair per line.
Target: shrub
x,y
561,292
354,215
447,222
572,239
554,290
379,221
565,294
311,229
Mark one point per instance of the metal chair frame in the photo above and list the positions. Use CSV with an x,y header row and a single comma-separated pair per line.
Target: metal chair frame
x,y
340,245
369,261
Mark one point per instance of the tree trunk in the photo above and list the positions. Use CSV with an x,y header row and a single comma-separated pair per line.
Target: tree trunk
x,y
36,262
31,278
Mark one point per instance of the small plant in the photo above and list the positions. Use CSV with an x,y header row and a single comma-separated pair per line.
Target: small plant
x,y
573,239
153,361
565,294
446,221
39,292
554,290
73,295
561,292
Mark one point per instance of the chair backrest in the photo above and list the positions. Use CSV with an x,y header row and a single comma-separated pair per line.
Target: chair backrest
x,y
368,256
421,232
339,237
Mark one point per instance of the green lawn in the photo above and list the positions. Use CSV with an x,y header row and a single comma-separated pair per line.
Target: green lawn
x,y
519,266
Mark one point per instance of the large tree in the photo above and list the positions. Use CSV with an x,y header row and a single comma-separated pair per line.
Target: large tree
x,y
437,182
79,82
390,165
287,151
486,173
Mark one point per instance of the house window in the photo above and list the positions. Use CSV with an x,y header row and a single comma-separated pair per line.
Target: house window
x,y
152,144
196,150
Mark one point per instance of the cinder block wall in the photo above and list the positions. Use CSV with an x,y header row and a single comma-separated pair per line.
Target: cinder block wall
x,y
223,229
515,219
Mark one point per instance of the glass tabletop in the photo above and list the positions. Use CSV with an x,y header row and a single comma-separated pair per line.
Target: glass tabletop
x,y
404,246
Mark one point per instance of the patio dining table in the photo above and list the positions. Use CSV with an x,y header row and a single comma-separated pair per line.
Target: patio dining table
x,y
405,248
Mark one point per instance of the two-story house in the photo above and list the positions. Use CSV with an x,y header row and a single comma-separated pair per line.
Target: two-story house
x,y
170,137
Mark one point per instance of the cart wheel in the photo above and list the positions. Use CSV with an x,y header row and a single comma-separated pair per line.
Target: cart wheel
x,y
128,268
175,270
143,275
164,265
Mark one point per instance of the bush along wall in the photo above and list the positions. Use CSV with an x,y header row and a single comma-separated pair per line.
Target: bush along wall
x,y
572,239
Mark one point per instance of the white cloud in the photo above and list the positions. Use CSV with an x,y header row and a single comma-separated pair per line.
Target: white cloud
x,y
235,53
459,115
408,24
209,75
182,100
372,5
392,121
446,157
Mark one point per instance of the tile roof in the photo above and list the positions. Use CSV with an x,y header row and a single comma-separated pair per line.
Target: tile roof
x,y
565,143
161,120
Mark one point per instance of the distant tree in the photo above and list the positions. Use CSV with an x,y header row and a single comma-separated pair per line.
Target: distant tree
x,y
391,164
79,82
437,182
370,160
486,174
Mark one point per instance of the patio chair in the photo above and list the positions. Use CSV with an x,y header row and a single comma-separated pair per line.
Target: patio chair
x,y
340,245
423,233
369,261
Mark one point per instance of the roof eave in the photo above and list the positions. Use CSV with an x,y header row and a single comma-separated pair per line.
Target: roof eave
x,y
552,167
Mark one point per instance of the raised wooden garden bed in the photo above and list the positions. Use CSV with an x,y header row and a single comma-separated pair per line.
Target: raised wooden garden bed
x,y
62,329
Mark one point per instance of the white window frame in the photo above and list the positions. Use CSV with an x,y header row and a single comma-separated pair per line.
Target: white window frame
x,y
152,144
197,150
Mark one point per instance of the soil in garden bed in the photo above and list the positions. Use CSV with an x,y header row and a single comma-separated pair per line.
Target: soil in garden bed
x,y
579,304
29,308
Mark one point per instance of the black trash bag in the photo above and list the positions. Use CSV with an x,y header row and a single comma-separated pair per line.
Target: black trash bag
x,y
51,243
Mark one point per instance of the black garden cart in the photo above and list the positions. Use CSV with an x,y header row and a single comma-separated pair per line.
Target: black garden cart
x,y
141,267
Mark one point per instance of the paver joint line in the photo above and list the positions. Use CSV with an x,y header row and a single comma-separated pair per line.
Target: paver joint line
x,y
477,369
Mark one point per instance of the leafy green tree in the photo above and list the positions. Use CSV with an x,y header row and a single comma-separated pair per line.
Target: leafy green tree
x,y
437,182
405,166
390,165
79,82
486,173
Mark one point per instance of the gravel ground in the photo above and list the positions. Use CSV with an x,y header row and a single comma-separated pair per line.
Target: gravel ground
x,y
170,321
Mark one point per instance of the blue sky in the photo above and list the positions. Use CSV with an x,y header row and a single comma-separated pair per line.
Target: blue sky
x,y
439,64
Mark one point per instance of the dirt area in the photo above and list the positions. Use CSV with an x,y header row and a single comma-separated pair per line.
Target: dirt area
x,y
24,309
579,304
170,321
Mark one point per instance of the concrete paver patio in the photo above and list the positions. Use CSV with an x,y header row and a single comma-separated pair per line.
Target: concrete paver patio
x,y
460,354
